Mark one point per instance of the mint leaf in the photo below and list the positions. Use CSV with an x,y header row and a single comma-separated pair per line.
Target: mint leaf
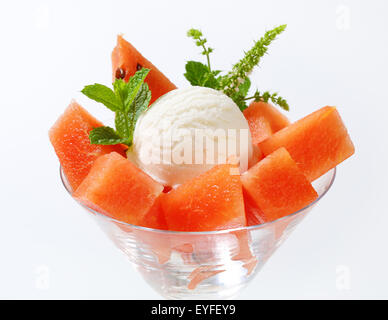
x,y
244,87
142,101
120,88
102,94
198,74
121,123
239,95
104,136
211,81
239,100
216,72
134,86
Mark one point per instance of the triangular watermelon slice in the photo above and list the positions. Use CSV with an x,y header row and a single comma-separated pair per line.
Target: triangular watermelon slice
x,y
70,138
126,60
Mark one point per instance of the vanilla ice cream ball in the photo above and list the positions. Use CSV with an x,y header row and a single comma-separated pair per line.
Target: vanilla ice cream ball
x,y
188,131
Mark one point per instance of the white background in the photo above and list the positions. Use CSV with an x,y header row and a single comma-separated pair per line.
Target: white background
x,y
333,53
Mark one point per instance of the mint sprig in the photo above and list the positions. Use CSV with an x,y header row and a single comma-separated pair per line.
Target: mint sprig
x,y
201,42
234,83
128,100
197,73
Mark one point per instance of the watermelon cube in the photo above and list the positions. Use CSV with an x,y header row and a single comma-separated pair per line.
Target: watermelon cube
x,y
277,186
253,213
211,201
257,155
155,216
117,188
70,139
317,142
126,60
264,120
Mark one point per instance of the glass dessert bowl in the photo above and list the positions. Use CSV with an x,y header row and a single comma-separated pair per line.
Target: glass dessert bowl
x,y
202,265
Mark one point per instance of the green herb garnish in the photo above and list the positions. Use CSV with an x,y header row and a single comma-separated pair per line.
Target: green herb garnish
x,y
235,83
127,100
197,73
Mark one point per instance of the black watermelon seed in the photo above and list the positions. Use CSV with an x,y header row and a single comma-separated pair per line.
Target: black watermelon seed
x,y
120,73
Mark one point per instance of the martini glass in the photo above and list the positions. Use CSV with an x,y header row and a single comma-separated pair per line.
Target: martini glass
x,y
202,265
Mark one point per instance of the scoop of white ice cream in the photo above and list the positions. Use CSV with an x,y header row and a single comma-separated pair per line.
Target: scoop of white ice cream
x,y
188,131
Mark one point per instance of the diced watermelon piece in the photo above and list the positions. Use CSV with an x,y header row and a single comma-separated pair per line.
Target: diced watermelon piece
x,y
264,120
277,186
117,188
155,216
125,58
253,214
70,138
257,155
211,201
317,143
